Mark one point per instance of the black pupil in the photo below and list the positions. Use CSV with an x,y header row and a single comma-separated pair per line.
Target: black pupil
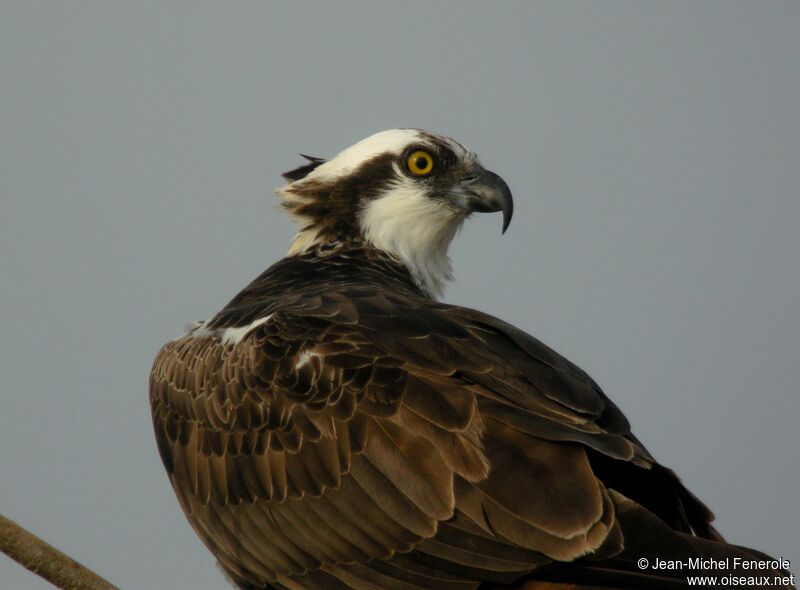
x,y
422,162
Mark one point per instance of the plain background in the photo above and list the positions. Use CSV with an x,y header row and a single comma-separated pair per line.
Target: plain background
x,y
654,154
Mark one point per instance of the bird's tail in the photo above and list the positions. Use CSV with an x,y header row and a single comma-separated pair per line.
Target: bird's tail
x,y
657,557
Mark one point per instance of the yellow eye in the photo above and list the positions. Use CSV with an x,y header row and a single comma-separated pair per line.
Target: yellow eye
x,y
420,163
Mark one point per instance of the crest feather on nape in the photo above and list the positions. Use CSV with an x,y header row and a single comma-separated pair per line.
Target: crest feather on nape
x,y
304,170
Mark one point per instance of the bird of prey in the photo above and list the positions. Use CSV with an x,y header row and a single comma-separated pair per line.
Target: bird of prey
x,y
337,426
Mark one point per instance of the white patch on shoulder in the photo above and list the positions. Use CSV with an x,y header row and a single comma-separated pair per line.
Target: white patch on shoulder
x,y
235,335
304,357
416,229
228,336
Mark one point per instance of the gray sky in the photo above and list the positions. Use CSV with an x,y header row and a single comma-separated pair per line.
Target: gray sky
x,y
654,154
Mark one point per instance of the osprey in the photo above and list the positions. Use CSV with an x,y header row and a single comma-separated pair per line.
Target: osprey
x,y
335,426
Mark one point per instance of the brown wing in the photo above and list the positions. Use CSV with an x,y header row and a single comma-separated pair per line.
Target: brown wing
x,y
382,441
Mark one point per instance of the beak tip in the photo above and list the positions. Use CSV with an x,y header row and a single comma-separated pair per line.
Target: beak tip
x,y
508,213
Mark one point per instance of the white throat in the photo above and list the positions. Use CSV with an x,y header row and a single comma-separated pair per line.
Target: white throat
x,y
415,229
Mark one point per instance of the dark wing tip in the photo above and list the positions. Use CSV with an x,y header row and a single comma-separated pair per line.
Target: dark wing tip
x,y
304,170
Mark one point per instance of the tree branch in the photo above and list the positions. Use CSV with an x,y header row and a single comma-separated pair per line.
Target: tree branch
x,y
45,560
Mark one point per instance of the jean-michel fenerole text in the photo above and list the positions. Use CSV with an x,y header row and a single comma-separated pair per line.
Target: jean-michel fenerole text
x,y
727,563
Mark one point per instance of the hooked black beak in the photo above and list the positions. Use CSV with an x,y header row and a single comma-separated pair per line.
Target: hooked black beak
x,y
486,193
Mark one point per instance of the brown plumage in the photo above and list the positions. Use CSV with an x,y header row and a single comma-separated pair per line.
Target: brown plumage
x,y
360,435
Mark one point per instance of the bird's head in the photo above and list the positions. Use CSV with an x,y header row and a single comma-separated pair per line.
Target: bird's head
x,y
403,191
